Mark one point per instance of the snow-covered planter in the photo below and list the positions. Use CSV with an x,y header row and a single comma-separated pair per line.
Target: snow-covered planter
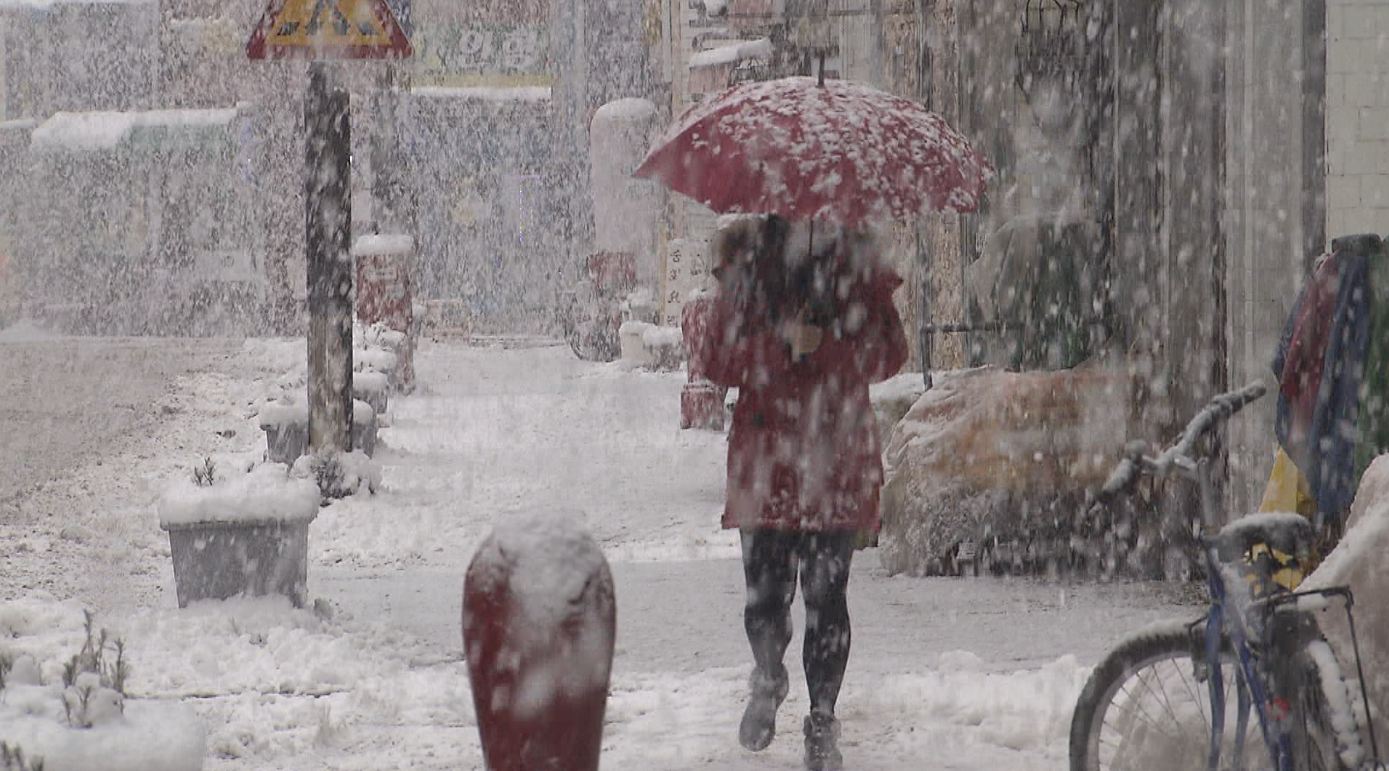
x,y
79,718
286,428
372,359
243,534
372,388
647,345
363,427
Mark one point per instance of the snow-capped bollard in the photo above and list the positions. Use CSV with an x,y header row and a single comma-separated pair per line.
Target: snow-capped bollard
x,y
538,631
701,402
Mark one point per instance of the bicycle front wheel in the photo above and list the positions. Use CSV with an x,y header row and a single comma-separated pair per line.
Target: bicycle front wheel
x,y
1146,708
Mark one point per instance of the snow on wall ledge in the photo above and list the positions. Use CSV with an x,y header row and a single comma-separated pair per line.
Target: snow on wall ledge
x,y
486,93
107,130
381,245
266,494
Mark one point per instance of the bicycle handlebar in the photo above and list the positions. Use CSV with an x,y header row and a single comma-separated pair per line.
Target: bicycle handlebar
x,y
1221,408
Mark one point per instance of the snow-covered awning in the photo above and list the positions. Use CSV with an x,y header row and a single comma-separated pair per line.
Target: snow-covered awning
x,y
732,54
107,130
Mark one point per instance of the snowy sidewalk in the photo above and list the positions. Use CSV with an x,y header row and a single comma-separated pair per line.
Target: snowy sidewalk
x,y
948,674
935,663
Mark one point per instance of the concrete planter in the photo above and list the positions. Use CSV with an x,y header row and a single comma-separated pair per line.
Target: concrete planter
x,y
286,430
246,533
372,388
220,560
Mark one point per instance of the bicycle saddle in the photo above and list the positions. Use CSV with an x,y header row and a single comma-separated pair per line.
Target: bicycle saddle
x,y
1285,532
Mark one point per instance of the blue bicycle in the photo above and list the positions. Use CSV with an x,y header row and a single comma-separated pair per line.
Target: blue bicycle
x,y
1250,685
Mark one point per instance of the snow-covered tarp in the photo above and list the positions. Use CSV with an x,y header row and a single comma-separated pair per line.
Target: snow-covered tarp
x,y
265,494
981,445
1361,561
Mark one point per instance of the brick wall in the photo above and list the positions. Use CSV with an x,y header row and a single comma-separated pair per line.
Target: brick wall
x,y
1358,116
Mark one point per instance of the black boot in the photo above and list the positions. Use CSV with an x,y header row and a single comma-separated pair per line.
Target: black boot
x,y
822,743
767,691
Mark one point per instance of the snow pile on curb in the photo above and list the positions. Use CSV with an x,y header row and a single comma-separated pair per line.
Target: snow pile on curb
x,y
148,737
88,725
265,494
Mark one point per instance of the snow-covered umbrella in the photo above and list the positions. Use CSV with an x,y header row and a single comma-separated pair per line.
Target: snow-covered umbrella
x,y
837,152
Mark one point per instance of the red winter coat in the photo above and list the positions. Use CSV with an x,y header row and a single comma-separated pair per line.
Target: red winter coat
x,y
803,452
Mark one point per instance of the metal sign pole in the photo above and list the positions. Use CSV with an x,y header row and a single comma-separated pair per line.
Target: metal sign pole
x,y
328,227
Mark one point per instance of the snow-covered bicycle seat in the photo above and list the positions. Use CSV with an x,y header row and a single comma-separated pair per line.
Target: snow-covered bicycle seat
x,y
1285,532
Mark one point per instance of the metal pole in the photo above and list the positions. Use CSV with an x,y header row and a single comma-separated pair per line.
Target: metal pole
x,y
328,227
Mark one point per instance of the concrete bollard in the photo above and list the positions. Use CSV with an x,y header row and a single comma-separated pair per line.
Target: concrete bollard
x,y
538,630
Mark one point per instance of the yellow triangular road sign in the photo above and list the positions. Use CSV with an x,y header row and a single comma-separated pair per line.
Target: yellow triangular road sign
x,y
328,29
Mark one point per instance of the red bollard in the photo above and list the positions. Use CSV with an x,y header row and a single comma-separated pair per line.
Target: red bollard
x,y
701,402
539,622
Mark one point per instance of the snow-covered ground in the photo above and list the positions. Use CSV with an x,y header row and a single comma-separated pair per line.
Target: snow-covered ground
x,y
945,673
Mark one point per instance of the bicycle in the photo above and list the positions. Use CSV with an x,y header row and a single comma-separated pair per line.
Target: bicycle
x,y
1159,699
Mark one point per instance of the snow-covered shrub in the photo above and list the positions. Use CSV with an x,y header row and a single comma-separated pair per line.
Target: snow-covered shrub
x,y
81,720
12,759
339,474
94,684
206,474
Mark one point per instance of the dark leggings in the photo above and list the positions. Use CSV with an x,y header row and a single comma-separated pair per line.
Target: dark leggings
x,y
771,560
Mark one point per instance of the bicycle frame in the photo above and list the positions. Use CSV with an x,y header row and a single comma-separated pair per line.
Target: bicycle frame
x,y
1251,691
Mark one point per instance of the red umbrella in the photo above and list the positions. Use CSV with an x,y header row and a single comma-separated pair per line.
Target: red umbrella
x,y
839,152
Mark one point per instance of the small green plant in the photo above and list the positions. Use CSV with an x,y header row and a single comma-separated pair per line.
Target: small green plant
x,y
92,670
12,759
206,474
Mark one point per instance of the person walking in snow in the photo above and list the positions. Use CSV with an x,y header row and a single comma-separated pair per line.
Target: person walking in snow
x,y
802,323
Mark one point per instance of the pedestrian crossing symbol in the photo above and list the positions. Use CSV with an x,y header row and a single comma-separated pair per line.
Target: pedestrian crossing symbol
x,y
328,29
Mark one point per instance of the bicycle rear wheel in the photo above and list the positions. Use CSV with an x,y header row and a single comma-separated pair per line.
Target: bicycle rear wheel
x,y
1145,709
